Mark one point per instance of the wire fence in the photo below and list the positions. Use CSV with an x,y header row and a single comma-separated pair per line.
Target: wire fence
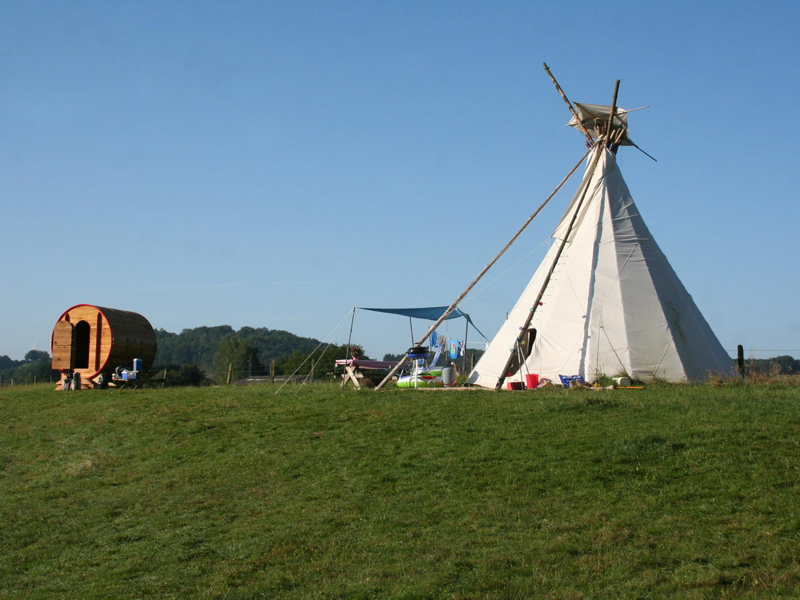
x,y
309,372
752,353
26,380
248,375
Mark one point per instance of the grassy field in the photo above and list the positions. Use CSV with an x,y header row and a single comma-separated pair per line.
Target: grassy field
x,y
235,492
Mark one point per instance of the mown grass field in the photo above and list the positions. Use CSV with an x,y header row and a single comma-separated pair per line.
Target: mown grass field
x,y
235,492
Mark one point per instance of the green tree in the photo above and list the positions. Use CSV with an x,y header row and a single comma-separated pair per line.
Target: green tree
x,y
184,375
242,357
36,356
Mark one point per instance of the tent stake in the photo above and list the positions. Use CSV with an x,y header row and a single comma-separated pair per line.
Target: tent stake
x,y
452,307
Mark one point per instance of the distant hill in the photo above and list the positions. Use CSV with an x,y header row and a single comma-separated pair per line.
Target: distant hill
x,y
198,346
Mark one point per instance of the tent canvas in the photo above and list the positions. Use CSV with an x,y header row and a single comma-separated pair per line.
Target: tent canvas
x,y
613,305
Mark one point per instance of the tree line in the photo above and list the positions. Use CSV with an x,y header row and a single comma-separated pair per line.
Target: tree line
x,y
34,367
247,352
779,365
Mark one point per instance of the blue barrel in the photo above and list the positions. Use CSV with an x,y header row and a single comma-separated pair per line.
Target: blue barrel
x,y
138,364
418,352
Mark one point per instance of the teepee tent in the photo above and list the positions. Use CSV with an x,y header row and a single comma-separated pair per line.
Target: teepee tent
x,y
605,300
613,303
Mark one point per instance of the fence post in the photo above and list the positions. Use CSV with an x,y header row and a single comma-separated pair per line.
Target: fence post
x,y
272,371
230,368
1,381
34,380
740,360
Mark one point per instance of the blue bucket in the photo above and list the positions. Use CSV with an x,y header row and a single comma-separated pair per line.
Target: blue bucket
x,y
138,364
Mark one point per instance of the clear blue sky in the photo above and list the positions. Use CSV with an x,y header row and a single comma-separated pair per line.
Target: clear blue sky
x,y
273,164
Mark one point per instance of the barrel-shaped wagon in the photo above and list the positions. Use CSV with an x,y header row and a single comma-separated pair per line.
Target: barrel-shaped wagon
x,y
93,340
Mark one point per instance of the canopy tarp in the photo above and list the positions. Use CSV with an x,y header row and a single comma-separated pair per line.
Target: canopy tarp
x,y
429,313
592,115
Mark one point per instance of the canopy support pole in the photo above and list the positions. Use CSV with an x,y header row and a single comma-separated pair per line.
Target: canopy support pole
x,y
453,306
350,337
466,339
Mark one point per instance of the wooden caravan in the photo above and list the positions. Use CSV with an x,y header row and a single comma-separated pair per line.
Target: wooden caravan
x,y
94,340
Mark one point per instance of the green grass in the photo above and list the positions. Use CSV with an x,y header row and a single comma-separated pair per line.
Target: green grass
x,y
235,492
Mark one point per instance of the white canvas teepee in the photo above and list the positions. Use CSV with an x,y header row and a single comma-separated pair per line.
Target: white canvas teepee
x,y
613,304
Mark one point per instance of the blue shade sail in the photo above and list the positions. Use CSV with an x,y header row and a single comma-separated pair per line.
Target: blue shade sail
x,y
430,313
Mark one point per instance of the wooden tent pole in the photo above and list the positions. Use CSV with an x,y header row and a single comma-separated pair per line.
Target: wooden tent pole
x,y
587,179
452,307
613,110
569,105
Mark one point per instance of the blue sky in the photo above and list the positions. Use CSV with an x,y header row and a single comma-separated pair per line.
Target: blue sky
x,y
274,164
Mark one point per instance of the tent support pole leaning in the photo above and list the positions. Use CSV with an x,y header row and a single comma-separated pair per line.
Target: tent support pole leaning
x,y
452,307
598,150
587,179
613,110
569,105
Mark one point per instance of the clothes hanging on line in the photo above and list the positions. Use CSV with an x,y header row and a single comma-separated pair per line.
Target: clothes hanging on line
x,y
453,349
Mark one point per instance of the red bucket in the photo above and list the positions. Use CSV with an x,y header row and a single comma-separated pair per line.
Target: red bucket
x,y
532,381
515,385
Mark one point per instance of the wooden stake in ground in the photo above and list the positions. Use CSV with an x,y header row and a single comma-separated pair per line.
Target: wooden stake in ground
x,y
740,360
